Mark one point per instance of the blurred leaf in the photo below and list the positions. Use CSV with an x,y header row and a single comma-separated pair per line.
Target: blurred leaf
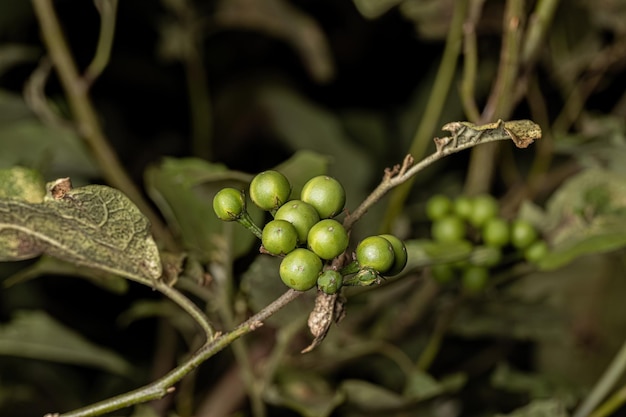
x,y
183,189
278,18
23,184
431,17
301,167
307,393
422,386
372,9
586,215
144,309
262,285
370,397
14,54
426,252
54,151
540,408
535,385
35,335
303,125
144,410
601,142
504,317
48,265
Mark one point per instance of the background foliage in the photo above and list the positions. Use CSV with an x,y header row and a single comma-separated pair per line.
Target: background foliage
x,y
199,95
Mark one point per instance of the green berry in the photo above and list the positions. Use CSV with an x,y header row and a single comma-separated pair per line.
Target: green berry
x,y
269,190
375,252
462,207
229,204
302,215
496,232
327,238
299,269
279,237
448,229
400,255
536,252
474,279
326,194
330,281
443,273
484,207
523,234
438,206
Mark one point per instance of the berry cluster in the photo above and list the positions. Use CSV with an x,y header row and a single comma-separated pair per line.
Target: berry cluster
x,y
304,233
476,220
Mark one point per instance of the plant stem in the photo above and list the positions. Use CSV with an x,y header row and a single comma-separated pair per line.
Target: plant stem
x,y
605,384
401,174
434,107
470,61
86,119
165,385
501,100
108,10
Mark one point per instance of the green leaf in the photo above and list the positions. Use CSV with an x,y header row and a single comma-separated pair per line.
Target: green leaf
x,y
540,408
373,398
262,285
22,184
304,392
425,252
53,150
301,124
586,215
301,167
35,335
94,226
421,386
48,265
506,378
183,189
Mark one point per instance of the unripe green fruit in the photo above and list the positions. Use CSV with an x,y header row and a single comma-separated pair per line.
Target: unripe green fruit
x,y
536,252
448,229
438,206
462,206
375,252
400,255
299,269
484,207
326,194
269,190
330,281
496,232
523,234
327,238
279,237
474,279
302,215
229,204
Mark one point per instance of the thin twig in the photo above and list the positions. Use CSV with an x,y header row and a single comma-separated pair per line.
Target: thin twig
x,y
86,118
470,61
501,100
434,107
108,11
165,385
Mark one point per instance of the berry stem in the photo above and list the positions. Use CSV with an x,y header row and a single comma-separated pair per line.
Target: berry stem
x,y
351,268
246,221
